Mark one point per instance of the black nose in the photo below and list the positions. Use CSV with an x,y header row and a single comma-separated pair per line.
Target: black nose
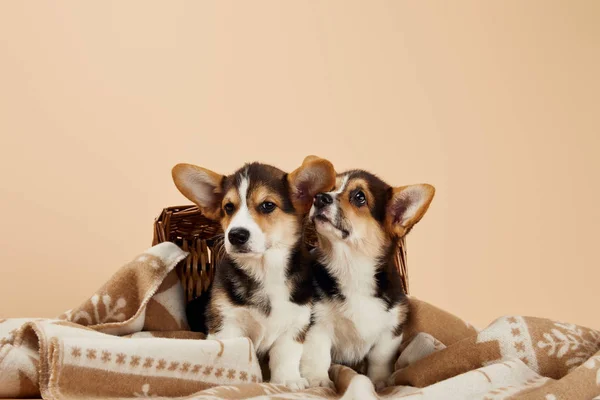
x,y
238,236
322,199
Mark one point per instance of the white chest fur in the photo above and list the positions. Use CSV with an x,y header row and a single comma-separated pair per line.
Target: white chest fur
x,y
356,323
284,315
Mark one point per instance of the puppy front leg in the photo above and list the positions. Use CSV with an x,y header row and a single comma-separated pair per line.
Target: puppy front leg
x,y
230,330
284,362
381,358
316,357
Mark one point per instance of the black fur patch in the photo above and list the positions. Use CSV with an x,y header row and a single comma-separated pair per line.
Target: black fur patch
x,y
299,273
387,280
195,312
241,288
326,285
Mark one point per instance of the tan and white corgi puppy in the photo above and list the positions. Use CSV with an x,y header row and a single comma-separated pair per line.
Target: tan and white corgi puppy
x,y
263,286
359,306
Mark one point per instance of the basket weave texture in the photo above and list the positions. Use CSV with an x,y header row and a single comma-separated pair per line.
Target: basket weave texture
x,y
203,239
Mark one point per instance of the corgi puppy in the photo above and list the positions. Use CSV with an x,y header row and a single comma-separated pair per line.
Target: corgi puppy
x,y
359,306
263,286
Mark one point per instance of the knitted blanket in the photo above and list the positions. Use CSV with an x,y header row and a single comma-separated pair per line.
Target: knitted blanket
x,y
131,339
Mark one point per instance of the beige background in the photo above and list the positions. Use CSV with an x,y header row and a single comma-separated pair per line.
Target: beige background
x,y
495,103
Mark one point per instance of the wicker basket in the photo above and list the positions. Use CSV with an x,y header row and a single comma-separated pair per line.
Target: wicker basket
x,y
202,238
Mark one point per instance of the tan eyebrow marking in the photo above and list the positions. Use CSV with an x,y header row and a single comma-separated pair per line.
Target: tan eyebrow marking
x,y
232,196
263,193
364,186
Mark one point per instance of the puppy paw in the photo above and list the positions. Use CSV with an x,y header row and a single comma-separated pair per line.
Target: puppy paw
x,y
292,384
379,376
380,384
321,382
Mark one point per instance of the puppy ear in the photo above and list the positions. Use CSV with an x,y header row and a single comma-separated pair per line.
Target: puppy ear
x,y
201,186
314,176
407,206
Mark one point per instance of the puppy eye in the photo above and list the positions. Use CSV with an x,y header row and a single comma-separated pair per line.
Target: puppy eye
x,y
267,207
229,208
359,199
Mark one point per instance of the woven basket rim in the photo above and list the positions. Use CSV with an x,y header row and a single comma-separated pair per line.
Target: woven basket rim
x,y
186,226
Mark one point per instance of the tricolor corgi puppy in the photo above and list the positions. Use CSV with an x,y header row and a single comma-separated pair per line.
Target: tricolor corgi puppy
x,y
263,286
359,306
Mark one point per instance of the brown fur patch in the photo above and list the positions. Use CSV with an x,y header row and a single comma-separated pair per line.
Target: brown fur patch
x,y
253,329
301,335
314,176
214,316
262,193
345,333
232,196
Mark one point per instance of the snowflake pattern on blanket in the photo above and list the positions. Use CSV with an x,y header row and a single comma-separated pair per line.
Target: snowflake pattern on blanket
x,y
130,339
